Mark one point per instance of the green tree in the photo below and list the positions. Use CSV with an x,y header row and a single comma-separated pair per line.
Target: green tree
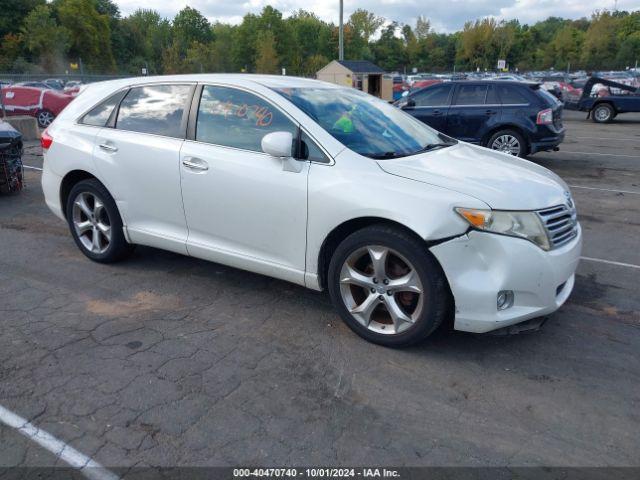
x,y
13,13
45,40
629,52
389,49
567,46
190,26
601,42
148,36
267,57
11,49
365,23
89,34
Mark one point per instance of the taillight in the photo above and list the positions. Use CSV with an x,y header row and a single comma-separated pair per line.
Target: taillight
x,y
46,140
545,117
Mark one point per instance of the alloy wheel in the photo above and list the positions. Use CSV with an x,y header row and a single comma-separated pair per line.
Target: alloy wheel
x,y
45,118
91,222
381,289
507,144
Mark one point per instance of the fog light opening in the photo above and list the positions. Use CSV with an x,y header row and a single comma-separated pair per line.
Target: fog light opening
x,y
504,299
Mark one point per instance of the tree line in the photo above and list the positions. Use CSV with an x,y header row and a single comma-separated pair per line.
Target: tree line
x,y
92,35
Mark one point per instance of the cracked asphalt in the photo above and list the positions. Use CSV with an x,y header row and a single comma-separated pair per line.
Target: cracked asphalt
x,y
165,360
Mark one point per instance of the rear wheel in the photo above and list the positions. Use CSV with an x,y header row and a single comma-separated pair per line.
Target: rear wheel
x,y
508,141
603,113
95,222
45,118
387,287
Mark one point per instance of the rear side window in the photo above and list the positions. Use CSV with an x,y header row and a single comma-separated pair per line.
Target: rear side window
x,y
99,116
511,95
238,119
156,109
433,97
471,95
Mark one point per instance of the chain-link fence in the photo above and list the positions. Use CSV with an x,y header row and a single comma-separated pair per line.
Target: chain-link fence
x,y
39,77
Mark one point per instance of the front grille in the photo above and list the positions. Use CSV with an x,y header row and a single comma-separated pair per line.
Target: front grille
x,y
561,223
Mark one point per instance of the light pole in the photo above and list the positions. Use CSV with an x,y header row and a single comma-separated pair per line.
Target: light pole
x,y
341,34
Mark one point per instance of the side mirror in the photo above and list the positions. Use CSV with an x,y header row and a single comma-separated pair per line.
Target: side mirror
x,y
278,144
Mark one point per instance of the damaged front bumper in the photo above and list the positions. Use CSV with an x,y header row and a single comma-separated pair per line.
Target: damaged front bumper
x,y
479,265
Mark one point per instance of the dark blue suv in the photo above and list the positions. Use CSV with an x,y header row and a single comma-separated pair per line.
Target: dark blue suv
x,y
519,118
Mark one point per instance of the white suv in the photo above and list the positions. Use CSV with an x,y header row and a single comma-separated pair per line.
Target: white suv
x,y
319,185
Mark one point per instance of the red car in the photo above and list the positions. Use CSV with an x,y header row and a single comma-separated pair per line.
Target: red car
x,y
424,83
43,104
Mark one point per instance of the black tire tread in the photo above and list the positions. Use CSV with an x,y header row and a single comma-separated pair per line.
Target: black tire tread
x,y
524,144
119,248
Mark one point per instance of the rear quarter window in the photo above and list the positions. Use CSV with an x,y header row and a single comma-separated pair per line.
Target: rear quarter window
x,y
512,95
99,115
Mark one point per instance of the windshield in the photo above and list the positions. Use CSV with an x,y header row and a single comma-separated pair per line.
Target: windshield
x,y
365,124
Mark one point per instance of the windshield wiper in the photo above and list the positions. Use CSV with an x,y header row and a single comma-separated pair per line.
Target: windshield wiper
x,y
384,155
433,146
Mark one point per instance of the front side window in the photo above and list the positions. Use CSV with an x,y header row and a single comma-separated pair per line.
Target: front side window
x,y
99,116
239,119
363,123
156,109
471,95
433,96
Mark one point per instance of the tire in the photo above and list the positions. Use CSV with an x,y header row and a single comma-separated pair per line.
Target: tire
x,y
365,303
508,141
95,223
603,113
45,117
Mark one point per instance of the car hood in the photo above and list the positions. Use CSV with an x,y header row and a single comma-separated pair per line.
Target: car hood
x,y
501,181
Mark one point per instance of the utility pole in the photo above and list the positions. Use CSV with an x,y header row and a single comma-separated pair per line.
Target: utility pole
x,y
341,34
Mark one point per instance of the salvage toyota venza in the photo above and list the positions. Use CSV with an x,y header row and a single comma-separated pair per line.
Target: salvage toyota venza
x,y
319,185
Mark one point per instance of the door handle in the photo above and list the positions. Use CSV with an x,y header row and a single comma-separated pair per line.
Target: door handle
x,y
436,113
491,112
108,147
195,164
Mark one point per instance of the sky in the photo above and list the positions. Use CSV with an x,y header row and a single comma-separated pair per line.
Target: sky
x,y
445,16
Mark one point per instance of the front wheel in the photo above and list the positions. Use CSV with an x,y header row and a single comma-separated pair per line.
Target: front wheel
x,y
508,141
603,113
95,222
387,287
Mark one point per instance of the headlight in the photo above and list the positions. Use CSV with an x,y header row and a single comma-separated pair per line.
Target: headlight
x,y
515,224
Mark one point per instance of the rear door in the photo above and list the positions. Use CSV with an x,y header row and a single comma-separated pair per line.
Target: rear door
x,y
468,113
139,160
516,104
431,106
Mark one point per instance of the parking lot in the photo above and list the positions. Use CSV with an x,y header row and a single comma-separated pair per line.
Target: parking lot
x,y
166,360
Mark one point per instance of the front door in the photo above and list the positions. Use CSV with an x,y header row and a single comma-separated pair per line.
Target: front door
x,y
431,106
242,208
